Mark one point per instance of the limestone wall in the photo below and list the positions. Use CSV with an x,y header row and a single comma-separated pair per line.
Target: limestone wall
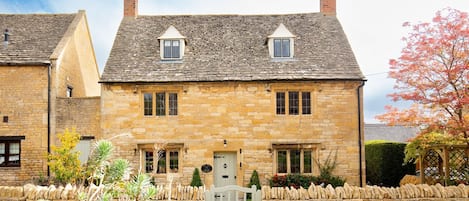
x,y
80,113
242,114
23,92
369,193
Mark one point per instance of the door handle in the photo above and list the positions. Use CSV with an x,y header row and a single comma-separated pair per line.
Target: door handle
x,y
225,176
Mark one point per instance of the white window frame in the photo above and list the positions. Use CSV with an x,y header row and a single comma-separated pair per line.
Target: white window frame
x,y
172,34
272,48
181,49
281,33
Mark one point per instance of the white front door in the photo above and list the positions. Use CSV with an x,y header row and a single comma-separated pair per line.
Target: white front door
x,y
224,170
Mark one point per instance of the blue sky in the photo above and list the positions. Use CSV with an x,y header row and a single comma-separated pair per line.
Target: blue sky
x,y
373,27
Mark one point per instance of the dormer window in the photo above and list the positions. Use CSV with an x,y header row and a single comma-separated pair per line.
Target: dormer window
x,y
281,43
171,49
281,48
172,44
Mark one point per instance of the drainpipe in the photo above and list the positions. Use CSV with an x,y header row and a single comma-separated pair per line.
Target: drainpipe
x,y
360,157
49,72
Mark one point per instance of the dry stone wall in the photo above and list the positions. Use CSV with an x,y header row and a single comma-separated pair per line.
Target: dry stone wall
x,y
409,192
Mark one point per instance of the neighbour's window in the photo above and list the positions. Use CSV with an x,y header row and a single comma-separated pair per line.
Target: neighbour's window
x,y
10,153
69,91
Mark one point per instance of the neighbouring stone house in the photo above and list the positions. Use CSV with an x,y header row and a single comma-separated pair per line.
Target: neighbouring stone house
x,y
230,94
48,82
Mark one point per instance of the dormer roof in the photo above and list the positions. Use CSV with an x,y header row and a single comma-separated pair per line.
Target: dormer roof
x,y
281,32
171,33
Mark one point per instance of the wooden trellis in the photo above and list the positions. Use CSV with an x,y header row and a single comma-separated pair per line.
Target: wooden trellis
x,y
445,164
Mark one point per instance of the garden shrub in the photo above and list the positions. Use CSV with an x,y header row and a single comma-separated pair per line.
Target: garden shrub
x,y
196,181
64,160
325,177
255,180
385,163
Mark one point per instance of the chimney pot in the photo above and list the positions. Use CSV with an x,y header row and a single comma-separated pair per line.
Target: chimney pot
x,y
328,7
130,8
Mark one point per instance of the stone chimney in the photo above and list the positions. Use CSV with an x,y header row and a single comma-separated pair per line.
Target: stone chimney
x,y
130,8
328,7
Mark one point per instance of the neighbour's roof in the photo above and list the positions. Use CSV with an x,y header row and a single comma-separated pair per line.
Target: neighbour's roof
x,y
390,133
32,37
231,48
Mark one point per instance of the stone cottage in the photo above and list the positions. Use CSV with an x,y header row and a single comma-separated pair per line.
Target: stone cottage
x,y
230,94
48,82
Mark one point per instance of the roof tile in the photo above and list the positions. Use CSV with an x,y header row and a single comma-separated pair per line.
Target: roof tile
x,y
231,48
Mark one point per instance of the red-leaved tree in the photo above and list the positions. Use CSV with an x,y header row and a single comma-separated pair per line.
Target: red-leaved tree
x,y
433,72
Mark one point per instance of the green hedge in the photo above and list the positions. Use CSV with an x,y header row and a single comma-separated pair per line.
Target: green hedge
x,y
384,163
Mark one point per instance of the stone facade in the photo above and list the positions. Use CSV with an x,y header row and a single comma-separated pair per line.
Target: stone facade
x,y
242,114
80,113
33,82
25,106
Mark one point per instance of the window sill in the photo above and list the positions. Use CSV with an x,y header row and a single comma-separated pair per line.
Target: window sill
x,y
9,167
283,59
171,61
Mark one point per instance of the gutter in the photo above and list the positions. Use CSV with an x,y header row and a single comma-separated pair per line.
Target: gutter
x,y
360,154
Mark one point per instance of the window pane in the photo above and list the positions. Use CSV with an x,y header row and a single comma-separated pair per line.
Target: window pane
x,y
175,49
148,161
167,49
173,104
2,148
295,160
174,161
14,148
307,162
69,92
161,162
2,160
14,159
160,104
148,104
282,162
306,102
293,102
280,102
277,48
286,48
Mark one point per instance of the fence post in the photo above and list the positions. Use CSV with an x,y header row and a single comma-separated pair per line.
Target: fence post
x,y
446,164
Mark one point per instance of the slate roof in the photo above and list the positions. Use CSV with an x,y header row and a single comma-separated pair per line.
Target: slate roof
x,y
33,37
231,48
390,133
